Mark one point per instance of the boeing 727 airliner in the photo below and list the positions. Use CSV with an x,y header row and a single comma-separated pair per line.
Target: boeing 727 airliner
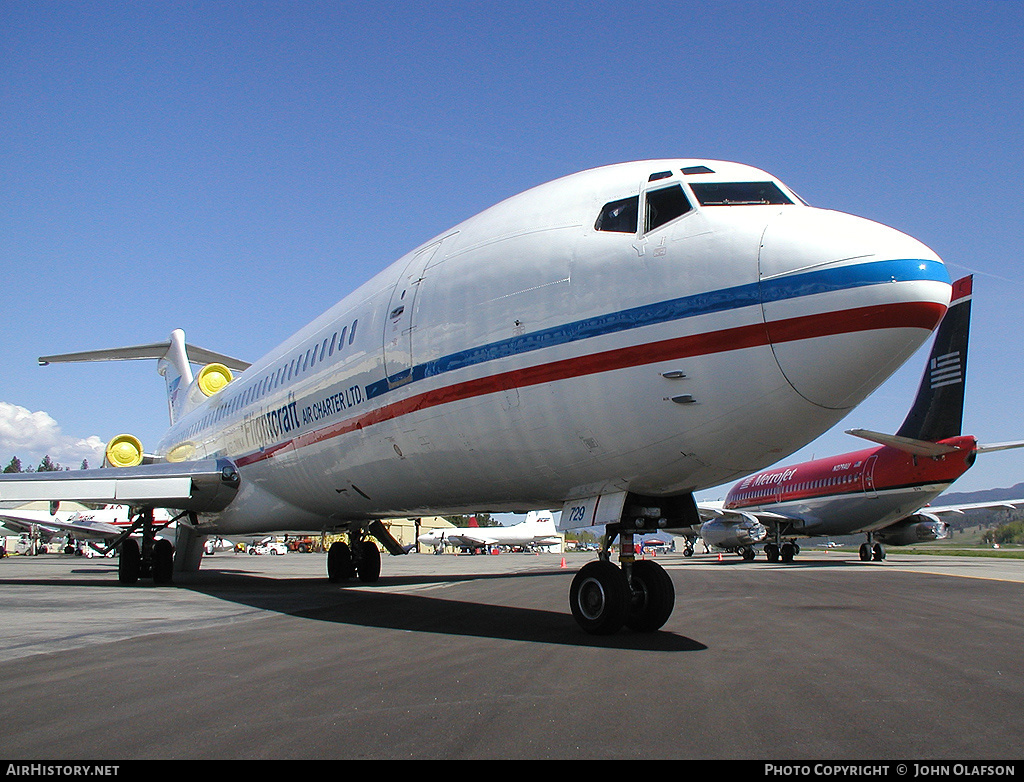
x,y
879,491
607,343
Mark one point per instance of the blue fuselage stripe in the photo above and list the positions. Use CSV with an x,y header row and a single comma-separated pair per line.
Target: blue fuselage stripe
x,y
793,286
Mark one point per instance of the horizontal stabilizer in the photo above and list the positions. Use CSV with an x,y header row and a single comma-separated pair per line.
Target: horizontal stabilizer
x,y
201,486
906,444
155,350
1000,446
174,359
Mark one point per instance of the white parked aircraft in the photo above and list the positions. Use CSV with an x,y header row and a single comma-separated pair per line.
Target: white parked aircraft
x,y
104,528
609,342
103,524
537,529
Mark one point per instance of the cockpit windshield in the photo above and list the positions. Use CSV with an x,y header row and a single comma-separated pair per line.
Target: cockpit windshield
x,y
738,193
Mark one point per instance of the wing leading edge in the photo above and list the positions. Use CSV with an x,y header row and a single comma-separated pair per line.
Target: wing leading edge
x,y
200,486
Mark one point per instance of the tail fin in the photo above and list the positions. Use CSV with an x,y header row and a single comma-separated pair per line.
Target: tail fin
x,y
542,518
177,373
174,359
939,407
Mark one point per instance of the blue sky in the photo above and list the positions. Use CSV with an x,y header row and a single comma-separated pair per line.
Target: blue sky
x,y
234,168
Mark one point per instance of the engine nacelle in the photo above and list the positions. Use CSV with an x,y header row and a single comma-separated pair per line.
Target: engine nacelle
x,y
733,534
123,450
213,378
919,528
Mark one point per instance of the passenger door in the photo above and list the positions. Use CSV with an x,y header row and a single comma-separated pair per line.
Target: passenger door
x,y
399,322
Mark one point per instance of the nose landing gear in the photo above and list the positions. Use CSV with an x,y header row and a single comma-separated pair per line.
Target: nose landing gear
x,y
604,597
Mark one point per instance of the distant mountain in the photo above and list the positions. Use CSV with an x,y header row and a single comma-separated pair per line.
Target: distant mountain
x,y
984,495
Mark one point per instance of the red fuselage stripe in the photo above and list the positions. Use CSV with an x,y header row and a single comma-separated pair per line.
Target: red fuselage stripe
x,y
923,315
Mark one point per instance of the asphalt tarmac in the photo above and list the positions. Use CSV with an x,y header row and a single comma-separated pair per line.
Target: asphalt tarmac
x,y
478,657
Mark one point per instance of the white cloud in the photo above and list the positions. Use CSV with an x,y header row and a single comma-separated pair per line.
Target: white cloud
x,y
30,436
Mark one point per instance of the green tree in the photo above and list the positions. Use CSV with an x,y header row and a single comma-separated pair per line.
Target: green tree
x,y
14,466
48,465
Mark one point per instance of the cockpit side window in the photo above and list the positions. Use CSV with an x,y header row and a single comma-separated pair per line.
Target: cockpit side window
x,y
738,193
664,205
619,216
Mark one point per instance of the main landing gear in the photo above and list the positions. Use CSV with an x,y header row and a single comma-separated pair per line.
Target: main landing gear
x,y
153,559
784,552
870,551
360,559
604,597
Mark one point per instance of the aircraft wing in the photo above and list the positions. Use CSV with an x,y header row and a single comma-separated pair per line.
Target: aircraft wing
x,y
466,539
714,511
201,486
23,521
937,511
18,522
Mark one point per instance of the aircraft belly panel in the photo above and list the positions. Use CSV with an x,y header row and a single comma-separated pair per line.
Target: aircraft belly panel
x,y
847,514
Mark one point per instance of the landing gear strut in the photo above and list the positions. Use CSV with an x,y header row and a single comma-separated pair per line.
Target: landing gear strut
x,y
360,559
871,551
153,559
780,549
604,597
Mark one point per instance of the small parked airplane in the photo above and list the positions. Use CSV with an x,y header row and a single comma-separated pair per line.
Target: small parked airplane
x,y
879,491
106,524
538,529
607,343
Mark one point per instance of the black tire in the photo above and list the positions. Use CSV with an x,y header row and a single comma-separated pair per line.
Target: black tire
x,y
129,563
369,562
653,597
339,563
599,598
163,562
865,552
877,552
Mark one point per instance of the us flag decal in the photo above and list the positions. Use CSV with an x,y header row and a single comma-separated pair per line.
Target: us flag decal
x,y
946,370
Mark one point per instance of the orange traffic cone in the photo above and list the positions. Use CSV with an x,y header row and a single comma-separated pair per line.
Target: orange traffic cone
x,y
563,562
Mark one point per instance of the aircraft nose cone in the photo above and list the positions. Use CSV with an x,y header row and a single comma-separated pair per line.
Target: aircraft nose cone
x,y
849,294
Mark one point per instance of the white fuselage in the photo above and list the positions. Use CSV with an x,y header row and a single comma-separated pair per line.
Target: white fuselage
x,y
526,356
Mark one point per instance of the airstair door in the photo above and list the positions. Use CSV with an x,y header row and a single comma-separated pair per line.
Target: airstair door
x,y
869,476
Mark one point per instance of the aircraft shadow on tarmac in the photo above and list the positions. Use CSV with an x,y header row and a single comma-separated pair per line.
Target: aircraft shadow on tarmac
x,y
360,604
365,605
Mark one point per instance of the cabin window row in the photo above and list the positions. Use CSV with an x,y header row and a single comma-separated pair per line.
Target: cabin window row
x,y
837,480
303,362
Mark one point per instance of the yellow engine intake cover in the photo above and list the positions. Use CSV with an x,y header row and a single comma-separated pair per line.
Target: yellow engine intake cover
x,y
181,452
213,377
124,450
